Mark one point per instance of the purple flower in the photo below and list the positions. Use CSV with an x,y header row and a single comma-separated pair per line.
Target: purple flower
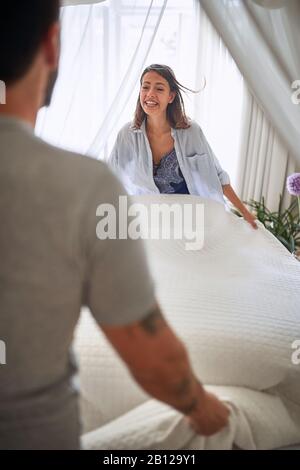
x,y
293,184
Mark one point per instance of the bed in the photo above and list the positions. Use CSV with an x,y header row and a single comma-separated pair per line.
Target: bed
x,y
236,304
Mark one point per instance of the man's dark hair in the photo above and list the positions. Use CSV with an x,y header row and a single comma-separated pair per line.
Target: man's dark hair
x,y
23,25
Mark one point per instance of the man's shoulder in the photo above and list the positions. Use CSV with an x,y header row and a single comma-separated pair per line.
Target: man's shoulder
x,y
64,171
81,175
69,160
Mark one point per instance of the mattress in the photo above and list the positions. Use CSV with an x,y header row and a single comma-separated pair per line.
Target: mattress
x,y
235,303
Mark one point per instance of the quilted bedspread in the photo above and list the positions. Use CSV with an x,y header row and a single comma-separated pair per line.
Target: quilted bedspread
x,y
236,304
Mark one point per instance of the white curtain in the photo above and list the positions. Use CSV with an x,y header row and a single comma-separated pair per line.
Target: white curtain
x,y
265,161
65,3
103,53
130,78
104,49
265,44
218,107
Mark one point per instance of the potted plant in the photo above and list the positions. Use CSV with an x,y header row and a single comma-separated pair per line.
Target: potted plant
x,y
283,224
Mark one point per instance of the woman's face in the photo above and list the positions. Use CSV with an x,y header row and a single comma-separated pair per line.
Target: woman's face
x,y
155,94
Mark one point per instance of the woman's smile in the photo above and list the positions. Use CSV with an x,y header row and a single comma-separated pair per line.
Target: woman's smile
x,y
151,104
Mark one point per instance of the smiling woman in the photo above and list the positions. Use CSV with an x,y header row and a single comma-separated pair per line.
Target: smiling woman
x,y
165,151
104,48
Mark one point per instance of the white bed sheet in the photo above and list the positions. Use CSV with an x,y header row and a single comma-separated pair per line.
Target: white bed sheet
x,y
236,304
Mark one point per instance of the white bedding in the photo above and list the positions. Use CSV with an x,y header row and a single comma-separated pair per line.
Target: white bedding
x,y
236,305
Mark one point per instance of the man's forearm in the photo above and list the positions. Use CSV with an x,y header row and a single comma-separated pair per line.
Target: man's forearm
x,y
158,361
174,383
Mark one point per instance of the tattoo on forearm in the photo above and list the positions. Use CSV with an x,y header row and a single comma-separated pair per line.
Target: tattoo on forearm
x,y
153,322
189,408
184,389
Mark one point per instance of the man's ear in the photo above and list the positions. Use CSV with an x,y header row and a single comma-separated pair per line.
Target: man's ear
x,y
51,45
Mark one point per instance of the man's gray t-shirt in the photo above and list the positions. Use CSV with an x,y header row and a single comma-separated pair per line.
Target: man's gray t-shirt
x,y
52,263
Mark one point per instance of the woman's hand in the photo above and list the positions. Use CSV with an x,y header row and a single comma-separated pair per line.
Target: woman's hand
x,y
235,201
250,218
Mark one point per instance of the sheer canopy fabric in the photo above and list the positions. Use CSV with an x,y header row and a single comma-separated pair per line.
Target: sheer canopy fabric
x,y
65,3
265,44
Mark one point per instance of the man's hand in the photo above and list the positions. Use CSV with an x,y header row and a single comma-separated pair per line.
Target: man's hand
x,y
210,417
159,362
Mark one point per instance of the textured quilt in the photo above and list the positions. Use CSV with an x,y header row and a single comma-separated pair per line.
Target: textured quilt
x,y
236,304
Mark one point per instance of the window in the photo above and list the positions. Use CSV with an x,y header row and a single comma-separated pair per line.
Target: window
x,y
104,50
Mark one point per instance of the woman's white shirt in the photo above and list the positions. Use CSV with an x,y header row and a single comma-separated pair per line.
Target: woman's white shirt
x,y
131,160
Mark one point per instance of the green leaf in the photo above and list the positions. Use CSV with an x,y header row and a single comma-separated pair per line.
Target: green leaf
x,y
284,225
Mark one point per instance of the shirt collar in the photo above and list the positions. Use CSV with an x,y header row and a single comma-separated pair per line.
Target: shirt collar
x,y
143,129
